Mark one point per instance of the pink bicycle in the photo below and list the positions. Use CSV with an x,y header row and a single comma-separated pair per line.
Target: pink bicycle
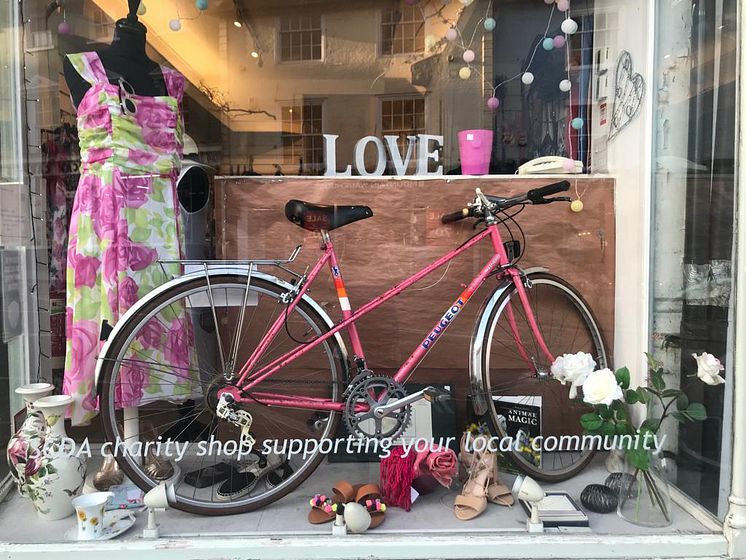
x,y
261,361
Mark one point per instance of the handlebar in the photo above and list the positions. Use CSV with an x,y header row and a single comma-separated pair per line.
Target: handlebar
x,y
456,216
534,196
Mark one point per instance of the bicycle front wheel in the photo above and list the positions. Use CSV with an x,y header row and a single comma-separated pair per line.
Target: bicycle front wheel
x,y
516,372
160,376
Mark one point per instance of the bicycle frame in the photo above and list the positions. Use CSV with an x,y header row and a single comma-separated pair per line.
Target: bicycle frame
x,y
249,379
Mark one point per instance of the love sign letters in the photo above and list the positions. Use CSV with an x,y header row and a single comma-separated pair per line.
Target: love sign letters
x,y
418,147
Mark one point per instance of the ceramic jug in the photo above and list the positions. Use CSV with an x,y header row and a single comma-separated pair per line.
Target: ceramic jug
x,y
57,476
25,444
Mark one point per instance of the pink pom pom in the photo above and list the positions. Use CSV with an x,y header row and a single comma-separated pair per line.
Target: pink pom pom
x,y
568,165
493,103
63,28
559,42
452,34
563,5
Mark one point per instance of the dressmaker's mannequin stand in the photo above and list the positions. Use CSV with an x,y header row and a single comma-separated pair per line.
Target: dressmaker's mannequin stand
x,y
125,58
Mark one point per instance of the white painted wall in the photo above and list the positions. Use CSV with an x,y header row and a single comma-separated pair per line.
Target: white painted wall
x,y
628,26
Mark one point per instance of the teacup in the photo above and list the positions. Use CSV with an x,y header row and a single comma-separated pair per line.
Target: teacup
x,y
90,513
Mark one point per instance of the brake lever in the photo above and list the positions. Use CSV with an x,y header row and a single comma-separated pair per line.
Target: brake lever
x,y
557,199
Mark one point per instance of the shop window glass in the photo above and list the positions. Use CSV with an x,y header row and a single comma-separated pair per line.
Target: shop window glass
x,y
693,236
402,30
300,37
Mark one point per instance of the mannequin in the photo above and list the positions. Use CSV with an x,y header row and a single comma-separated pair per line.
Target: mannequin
x,y
125,57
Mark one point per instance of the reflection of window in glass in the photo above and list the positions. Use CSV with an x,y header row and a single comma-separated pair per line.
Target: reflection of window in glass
x,y
102,24
302,139
10,152
300,38
402,30
402,117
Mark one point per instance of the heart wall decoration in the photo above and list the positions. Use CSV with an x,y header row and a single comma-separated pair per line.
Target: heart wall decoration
x,y
629,92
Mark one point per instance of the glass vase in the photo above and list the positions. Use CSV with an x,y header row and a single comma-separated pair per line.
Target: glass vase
x,y
644,495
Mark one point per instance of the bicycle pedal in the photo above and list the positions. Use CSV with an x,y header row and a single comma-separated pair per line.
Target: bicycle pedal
x,y
436,394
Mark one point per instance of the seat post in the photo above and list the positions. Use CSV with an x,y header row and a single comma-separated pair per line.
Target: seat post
x,y
326,239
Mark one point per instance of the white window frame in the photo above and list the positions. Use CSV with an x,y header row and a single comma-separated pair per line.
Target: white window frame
x,y
379,34
300,102
278,44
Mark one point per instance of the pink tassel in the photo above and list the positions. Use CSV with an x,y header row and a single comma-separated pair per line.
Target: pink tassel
x,y
397,473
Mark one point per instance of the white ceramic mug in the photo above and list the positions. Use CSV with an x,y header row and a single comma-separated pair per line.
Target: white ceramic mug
x,y
90,513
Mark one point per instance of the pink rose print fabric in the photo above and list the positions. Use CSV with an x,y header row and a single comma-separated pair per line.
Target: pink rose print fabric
x,y
125,219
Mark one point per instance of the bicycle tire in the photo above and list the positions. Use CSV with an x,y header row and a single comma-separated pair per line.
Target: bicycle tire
x,y
138,316
600,354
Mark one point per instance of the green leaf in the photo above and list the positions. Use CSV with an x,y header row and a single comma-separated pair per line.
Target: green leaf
x,y
656,378
607,428
651,424
638,458
604,411
652,362
591,421
631,397
622,377
668,393
623,428
680,417
682,401
643,395
696,411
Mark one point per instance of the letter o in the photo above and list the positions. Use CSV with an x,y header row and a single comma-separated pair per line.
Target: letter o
x,y
360,156
554,441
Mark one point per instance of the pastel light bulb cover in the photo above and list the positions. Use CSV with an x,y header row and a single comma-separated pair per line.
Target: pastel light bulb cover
x,y
549,2
490,24
200,4
568,165
410,2
469,55
576,206
464,73
565,85
467,2
577,123
527,78
558,41
563,5
493,103
63,28
174,24
142,10
547,43
569,26
452,34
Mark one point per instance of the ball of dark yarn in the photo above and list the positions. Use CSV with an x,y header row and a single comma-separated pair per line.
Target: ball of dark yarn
x,y
620,482
598,498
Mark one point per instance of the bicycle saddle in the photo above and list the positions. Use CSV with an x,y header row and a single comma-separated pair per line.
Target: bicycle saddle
x,y
317,217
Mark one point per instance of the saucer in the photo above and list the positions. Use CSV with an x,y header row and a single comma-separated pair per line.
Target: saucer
x,y
115,523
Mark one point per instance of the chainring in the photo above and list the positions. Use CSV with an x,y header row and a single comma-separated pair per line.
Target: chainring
x,y
375,390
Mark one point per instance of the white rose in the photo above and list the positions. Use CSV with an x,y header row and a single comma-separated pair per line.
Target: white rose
x,y
573,368
709,368
601,388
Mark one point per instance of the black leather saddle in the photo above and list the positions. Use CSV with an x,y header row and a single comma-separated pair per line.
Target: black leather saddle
x,y
317,217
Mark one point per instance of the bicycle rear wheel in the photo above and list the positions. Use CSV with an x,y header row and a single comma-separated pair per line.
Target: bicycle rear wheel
x,y
167,362
512,376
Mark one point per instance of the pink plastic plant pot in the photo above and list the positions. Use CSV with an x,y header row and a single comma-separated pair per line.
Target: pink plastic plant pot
x,y
475,148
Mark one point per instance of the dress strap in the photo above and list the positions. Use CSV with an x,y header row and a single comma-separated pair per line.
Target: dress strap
x,y
174,83
89,66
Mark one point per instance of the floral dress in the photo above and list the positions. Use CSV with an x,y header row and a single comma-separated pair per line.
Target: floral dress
x,y
124,220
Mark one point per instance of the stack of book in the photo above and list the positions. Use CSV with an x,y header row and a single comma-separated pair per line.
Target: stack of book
x,y
558,509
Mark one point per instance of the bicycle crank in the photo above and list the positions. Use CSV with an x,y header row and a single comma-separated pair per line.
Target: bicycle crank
x,y
428,393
